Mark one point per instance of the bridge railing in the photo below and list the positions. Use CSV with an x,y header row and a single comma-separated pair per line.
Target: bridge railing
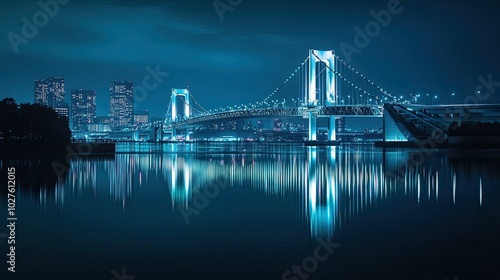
x,y
321,111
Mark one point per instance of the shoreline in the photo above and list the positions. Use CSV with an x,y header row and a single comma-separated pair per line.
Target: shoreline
x,y
41,148
44,148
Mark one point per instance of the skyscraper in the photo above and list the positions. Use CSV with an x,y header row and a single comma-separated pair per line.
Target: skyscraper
x,y
41,92
260,125
62,109
278,125
121,104
50,91
141,119
83,109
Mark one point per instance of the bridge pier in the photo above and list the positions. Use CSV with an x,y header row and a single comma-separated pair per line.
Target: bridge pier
x,y
332,133
173,136
187,138
158,134
312,127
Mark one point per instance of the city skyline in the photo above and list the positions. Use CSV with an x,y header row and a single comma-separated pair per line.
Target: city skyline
x,y
83,109
82,114
187,44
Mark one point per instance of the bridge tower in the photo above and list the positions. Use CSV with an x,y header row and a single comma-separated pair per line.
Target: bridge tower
x,y
183,93
330,98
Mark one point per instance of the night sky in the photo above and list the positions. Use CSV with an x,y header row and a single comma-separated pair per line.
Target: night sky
x,y
435,47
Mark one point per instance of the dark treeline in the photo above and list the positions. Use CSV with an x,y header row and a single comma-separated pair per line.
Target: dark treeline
x,y
32,127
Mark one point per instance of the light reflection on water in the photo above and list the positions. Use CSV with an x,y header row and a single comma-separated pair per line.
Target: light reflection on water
x,y
329,185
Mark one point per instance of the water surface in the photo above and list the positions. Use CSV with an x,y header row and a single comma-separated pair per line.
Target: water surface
x,y
248,211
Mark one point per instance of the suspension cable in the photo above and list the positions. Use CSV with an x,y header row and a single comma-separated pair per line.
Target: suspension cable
x,y
168,110
195,101
285,82
184,100
364,78
335,72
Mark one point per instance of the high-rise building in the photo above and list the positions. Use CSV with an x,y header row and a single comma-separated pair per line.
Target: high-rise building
x,y
101,124
340,124
83,109
141,119
278,125
248,126
156,122
62,109
260,125
240,125
121,105
50,92
41,92
228,125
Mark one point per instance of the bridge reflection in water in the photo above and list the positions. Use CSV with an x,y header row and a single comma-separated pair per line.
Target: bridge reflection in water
x,y
329,186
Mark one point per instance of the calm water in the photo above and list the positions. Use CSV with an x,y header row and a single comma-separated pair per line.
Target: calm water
x,y
247,211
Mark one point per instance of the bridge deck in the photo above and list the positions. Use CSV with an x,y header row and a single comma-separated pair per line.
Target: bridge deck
x,y
351,111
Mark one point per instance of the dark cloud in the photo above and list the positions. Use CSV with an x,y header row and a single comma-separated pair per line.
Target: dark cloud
x,y
432,46
71,34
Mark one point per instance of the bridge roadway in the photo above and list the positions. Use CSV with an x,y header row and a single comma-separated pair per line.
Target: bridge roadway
x,y
349,111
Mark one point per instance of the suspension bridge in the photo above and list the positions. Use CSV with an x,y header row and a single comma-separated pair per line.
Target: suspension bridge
x,y
325,86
